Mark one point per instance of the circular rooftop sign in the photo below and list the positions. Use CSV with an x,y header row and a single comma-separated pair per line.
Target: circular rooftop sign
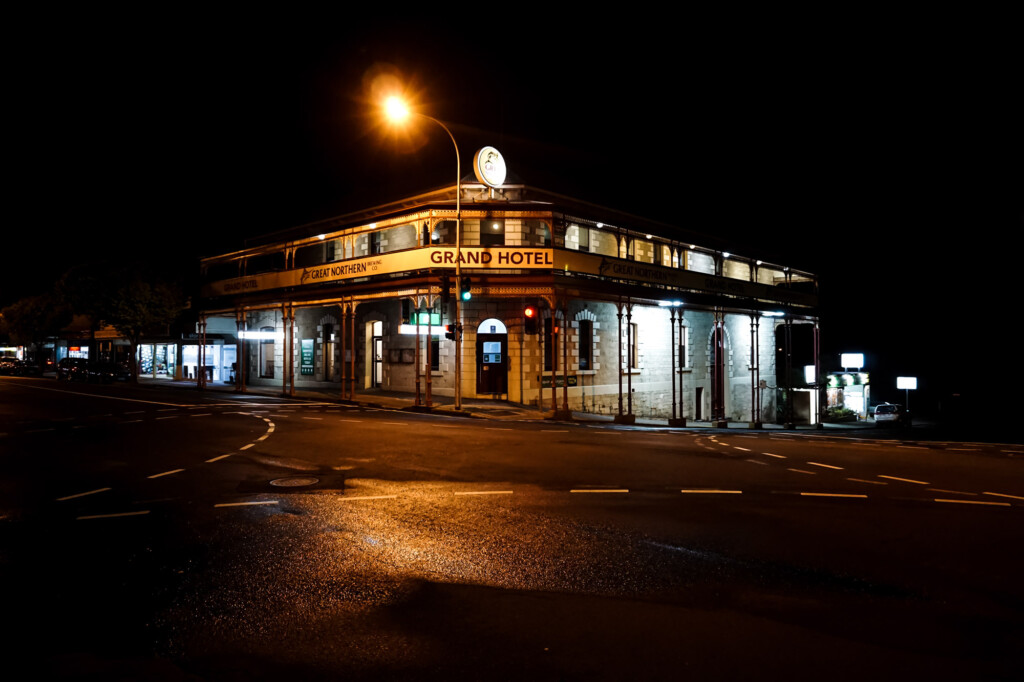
x,y
489,167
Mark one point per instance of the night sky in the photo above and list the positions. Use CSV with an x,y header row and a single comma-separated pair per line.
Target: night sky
x,y
881,153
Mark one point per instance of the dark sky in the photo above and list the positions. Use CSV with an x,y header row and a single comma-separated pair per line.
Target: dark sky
x,y
879,152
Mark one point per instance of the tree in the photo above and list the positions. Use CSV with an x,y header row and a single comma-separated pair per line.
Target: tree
x,y
140,305
30,321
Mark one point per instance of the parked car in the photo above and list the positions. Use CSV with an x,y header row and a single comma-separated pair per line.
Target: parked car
x,y
72,369
9,366
103,372
24,368
890,414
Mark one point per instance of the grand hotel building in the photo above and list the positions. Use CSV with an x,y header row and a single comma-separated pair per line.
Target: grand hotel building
x,y
625,317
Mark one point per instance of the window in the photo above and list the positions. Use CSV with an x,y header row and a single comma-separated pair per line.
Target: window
x,y
435,354
586,334
631,347
681,360
492,232
267,355
550,346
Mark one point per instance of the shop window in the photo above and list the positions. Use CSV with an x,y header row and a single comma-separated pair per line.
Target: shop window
x,y
586,334
632,356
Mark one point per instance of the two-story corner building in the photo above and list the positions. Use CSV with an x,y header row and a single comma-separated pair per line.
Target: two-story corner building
x,y
630,318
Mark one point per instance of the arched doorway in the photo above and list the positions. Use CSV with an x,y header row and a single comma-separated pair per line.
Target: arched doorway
x,y
492,357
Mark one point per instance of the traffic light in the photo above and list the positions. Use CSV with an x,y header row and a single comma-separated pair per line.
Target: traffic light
x,y
446,285
464,287
530,317
449,332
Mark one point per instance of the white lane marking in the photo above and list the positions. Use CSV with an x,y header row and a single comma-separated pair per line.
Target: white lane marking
x,y
166,473
316,418
105,397
245,504
219,457
204,414
964,449
737,447
365,497
768,454
263,437
905,480
990,504
173,416
246,447
912,447
827,466
756,461
169,409
952,492
861,480
801,471
111,516
832,495
131,421
495,428
396,423
485,492
599,490
91,492
1012,497
710,491
554,431
354,421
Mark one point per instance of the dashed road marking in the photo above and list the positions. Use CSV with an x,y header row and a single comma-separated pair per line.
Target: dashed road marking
x,y
757,461
245,504
710,491
952,492
366,497
861,480
904,480
1012,497
802,471
218,457
832,495
485,492
166,473
826,466
982,502
90,492
204,414
737,447
599,490
112,516
246,447
768,454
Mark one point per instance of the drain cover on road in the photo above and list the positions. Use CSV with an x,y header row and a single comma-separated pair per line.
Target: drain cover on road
x,y
295,482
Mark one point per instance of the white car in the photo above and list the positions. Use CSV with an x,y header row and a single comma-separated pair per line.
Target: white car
x,y
888,413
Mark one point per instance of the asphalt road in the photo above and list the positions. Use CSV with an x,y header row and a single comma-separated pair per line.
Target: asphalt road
x,y
167,534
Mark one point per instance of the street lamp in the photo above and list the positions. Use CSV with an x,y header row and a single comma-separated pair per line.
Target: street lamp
x,y
398,111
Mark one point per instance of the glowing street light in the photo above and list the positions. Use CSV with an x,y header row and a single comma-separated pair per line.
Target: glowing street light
x,y
398,111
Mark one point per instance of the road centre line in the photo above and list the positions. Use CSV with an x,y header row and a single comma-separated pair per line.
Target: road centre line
x,y
984,502
905,480
912,447
833,495
485,492
205,414
397,423
219,457
112,516
827,466
768,454
757,461
554,430
964,449
1012,497
173,416
263,437
246,447
861,480
91,492
801,471
132,412
131,421
354,421
246,504
599,490
316,418
496,428
952,492
710,491
737,447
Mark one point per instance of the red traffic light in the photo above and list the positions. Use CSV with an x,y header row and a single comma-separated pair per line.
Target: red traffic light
x,y
529,312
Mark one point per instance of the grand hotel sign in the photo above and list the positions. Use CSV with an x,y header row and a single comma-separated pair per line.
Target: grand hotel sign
x,y
502,258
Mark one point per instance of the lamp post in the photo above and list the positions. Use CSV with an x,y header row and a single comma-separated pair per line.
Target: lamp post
x,y
398,111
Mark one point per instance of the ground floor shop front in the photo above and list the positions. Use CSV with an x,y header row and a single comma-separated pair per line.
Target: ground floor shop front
x,y
620,357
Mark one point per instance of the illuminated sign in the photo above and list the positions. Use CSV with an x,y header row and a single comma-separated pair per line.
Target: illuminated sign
x,y
489,167
852,360
909,383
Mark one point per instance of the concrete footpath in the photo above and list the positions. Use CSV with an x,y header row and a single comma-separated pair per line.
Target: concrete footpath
x,y
472,408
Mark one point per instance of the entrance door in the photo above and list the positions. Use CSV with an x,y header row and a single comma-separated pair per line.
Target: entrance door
x,y
377,374
492,363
